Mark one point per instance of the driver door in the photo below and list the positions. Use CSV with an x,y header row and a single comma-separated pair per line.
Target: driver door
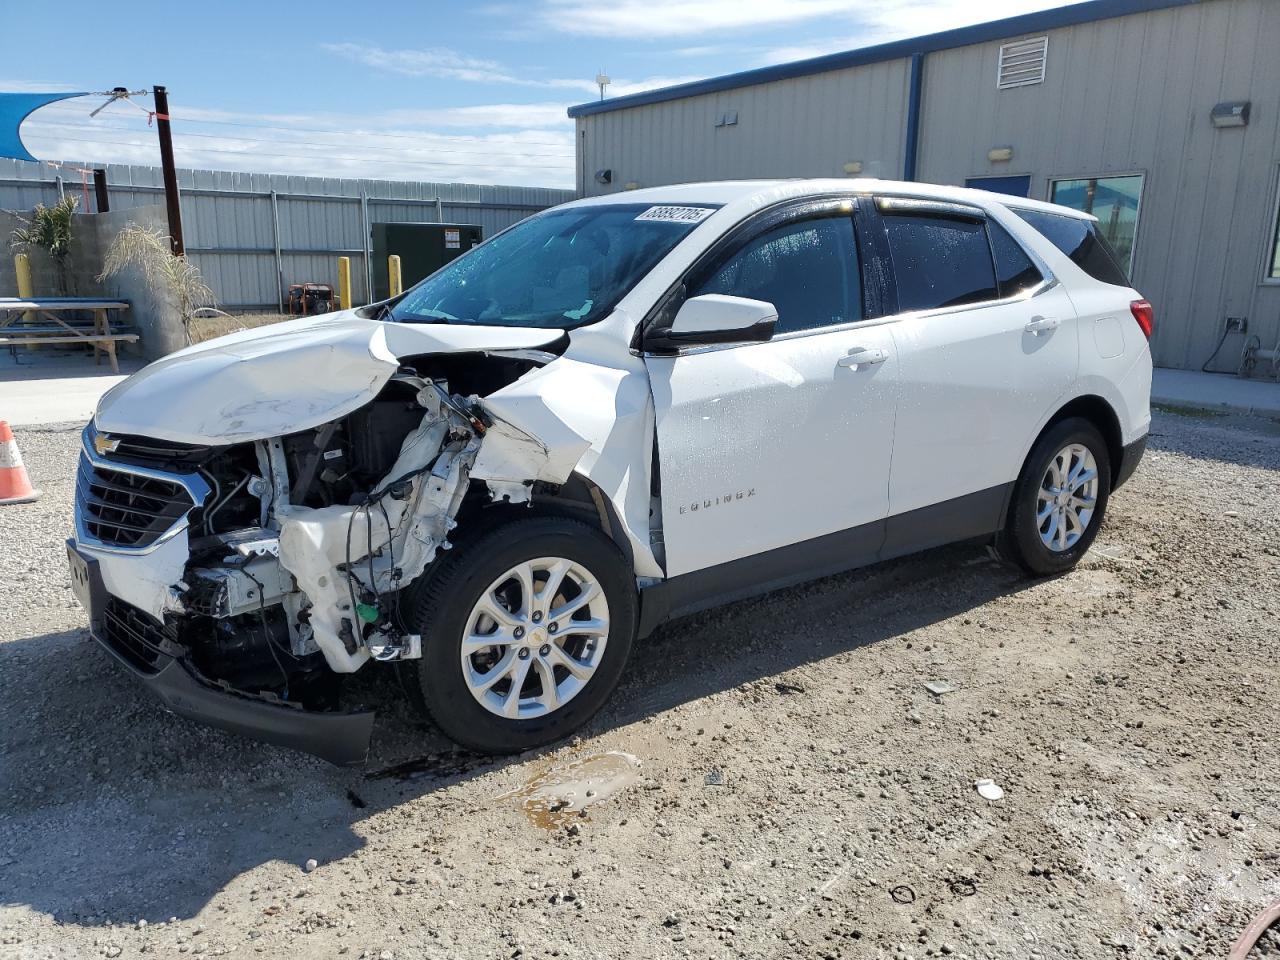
x,y
767,445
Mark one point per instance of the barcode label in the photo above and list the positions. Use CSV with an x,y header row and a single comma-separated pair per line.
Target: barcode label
x,y
676,214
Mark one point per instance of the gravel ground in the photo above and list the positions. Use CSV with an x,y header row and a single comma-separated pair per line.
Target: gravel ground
x,y
799,793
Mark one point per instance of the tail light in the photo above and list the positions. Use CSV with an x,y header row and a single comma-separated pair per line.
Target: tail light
x,y
1145,315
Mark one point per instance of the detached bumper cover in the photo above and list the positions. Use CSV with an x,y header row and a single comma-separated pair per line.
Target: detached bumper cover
x,y
340,738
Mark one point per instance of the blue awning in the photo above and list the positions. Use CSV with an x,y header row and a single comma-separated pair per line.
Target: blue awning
x,y
16,107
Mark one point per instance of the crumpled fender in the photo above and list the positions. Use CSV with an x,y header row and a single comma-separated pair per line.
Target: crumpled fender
x,y
284,378
570,417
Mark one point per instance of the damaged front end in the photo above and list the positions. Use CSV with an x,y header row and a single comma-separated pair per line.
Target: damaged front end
x,y
241,580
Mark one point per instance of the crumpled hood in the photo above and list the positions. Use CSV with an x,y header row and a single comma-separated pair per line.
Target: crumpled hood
x,y
285,377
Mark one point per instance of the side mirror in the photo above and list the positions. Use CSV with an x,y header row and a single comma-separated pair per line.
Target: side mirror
x,y
716,318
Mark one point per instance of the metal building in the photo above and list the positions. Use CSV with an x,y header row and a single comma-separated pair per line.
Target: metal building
x,y
252,234
1161,117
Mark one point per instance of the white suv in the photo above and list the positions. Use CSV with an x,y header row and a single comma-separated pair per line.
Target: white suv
x,y
616,412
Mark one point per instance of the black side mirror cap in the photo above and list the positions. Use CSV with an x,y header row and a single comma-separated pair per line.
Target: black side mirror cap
x,y
668,341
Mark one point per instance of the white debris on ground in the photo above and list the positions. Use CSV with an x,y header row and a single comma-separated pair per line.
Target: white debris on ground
x,y
776,801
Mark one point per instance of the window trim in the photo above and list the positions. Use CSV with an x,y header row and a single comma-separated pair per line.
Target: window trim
x,y
1271,238
1142,194
742,233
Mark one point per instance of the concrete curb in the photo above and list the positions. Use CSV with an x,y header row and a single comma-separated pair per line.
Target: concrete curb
x,y
1217,394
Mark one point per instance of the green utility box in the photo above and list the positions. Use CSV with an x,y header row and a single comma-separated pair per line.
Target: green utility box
x,y
423,249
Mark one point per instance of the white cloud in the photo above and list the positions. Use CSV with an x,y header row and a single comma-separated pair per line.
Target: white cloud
x,y
432,62
639,19
450,64
519,144
898,19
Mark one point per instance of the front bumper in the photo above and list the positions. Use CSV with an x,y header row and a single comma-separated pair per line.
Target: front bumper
x,y
340,738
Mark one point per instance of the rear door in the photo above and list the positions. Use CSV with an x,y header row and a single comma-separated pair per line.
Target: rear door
x,y
987,344
766,445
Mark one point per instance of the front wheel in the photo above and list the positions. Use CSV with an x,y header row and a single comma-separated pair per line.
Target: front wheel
x,y
1060,499
526,631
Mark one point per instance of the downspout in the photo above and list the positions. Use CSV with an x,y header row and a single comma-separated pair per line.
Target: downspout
x,y
915,89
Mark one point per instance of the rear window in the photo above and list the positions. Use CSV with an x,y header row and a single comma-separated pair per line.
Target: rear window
x,y
939,261
1081,241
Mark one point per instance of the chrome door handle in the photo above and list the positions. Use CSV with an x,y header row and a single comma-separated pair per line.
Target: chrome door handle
x,y
863,357
1039,325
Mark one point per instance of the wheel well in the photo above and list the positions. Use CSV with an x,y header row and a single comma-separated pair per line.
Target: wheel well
x,y
577,498
1098,412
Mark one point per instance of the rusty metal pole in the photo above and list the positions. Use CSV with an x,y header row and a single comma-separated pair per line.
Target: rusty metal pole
x,y
167,168
100,189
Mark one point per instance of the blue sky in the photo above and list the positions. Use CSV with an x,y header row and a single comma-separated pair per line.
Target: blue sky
x,y
472,92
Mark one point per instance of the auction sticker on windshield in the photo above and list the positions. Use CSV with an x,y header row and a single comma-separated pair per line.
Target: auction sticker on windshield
x,y
677,214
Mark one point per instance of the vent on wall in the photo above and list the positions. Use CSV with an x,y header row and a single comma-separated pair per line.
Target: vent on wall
x,y
1022,62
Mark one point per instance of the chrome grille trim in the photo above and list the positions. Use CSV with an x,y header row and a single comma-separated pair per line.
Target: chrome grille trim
x,y
95,470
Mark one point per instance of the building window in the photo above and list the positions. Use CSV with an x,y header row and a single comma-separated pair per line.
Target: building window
x,y
1113,200
1273,262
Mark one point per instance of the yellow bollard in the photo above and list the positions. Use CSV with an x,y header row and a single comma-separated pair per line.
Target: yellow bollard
x,y
394,276
344,283
26,289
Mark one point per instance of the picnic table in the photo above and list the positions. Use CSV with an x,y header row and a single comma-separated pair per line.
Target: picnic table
x,y
46,322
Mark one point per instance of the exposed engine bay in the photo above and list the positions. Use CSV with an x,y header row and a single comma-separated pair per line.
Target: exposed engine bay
x,y
298,556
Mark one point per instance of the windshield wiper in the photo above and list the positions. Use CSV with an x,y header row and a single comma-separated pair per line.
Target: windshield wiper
x,y
430,316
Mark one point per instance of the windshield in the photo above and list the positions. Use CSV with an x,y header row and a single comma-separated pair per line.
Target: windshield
x,y
564,268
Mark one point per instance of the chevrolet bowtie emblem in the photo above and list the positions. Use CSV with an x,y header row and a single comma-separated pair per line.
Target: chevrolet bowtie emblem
x,y
105,444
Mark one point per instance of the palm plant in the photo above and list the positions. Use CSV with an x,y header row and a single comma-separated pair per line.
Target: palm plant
x,y
166,275
50,229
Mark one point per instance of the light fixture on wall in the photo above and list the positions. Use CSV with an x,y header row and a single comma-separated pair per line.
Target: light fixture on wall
x,y
853,167
1000,154
604,176
1230,113
631,185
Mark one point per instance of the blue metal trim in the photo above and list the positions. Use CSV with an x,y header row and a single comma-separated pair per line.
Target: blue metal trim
x,y
913,117
1069,16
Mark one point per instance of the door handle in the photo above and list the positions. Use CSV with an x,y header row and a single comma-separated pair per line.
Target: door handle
x,y
1039,325
863,357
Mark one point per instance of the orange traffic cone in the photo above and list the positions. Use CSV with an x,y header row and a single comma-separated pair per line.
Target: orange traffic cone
x,y
15,485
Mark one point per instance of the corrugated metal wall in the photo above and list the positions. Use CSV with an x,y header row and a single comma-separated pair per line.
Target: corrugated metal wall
x,y
229,218
1130,94
804,127
1133,95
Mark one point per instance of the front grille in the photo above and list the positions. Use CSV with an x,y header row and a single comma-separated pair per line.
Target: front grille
x,y
125,509
147,451
134,635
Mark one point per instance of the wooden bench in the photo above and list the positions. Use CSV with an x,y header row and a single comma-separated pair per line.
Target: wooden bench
x,y
14,331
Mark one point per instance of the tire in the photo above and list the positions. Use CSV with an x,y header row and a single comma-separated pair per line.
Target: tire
x,y
447,606
1024,538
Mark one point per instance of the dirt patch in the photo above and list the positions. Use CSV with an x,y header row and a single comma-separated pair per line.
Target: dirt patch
x,y
800,793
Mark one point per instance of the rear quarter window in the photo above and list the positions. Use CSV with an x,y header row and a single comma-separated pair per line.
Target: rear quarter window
x,y
1080,240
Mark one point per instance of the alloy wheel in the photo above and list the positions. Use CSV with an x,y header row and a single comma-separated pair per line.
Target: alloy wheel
x,y
1067,498
534,638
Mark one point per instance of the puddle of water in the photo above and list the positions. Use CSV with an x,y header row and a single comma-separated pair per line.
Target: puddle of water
x,y
551,798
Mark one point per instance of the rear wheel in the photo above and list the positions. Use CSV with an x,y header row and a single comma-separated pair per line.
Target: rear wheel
x,y
1060,498
526,631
